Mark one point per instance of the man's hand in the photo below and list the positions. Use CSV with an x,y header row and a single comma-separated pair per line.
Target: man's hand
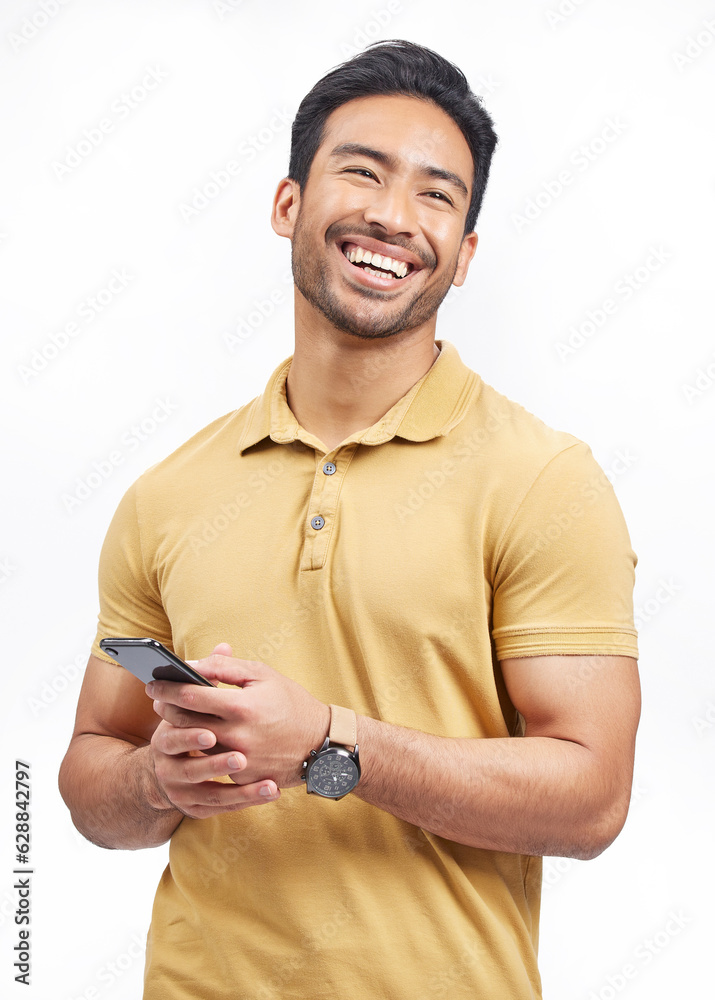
x,y
184,775
269,723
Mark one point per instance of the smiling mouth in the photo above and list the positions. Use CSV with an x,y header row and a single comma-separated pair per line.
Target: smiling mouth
x,y
375,263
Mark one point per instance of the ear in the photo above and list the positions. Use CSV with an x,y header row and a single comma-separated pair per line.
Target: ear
x,y
466,252
285,207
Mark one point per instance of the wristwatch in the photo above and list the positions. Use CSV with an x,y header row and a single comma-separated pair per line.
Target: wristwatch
x,y
334,770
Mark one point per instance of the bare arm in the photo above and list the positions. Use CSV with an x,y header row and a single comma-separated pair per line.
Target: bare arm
x,y
563,789
107,775
129,778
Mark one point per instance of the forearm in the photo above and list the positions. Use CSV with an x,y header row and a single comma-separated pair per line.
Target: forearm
x,y
111,791
528,795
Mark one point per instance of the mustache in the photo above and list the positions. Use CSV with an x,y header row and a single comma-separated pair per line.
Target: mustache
x,y
338,230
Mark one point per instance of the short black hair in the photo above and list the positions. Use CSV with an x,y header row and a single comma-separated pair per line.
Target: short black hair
x,y
396,67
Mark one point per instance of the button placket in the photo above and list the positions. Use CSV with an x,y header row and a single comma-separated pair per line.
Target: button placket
x,y
323,508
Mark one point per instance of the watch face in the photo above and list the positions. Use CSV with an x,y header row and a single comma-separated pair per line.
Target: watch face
x,y
333,774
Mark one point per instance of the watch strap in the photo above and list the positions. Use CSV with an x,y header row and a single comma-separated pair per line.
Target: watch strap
x,y
343,727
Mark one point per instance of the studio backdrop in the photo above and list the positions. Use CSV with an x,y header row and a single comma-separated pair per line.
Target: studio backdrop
x,y
143,293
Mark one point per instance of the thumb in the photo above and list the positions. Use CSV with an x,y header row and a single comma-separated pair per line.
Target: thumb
x,y
221,667
224,649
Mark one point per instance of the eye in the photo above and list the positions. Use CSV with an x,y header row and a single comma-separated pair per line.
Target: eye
x,y
440,196
362,171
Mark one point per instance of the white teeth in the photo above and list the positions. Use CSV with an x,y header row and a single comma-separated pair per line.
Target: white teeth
x,y
380,274
361,256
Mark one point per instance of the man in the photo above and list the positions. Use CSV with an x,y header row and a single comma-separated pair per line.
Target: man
x,y
418,597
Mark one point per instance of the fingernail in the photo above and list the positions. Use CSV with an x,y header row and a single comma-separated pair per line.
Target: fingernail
x,y
234,762
205,740
266,791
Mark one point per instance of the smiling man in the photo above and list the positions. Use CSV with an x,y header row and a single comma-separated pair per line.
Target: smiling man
x,y
420,622
385,286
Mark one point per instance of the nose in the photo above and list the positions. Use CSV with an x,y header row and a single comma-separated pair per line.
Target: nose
x,y
393,207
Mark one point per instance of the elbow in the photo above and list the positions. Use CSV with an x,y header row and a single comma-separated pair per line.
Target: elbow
x,y
69,782
600,830
64,781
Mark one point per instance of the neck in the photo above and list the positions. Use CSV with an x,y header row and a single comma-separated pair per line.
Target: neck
x,y
339,383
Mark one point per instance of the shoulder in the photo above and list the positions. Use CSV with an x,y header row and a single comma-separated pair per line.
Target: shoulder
x,y
207,453
502,434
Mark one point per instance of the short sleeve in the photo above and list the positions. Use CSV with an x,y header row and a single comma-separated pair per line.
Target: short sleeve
x,y
564,568
129,599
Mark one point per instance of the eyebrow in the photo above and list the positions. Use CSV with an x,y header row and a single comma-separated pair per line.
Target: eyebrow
x,y
439,173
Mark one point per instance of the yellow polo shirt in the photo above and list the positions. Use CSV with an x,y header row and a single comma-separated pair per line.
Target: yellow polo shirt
x,y
389,575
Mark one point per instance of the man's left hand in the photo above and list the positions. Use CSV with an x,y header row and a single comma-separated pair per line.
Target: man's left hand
x,y
272,720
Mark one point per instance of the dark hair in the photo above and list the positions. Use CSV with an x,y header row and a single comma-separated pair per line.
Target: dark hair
x,y
396,67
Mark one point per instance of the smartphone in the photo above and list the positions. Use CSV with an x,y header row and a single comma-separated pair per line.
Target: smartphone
x,y
148,660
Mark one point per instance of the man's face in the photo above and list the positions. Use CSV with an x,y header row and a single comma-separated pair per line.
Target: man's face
x,y
391,179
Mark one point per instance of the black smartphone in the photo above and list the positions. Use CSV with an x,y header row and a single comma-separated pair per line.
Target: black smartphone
x,y
148,660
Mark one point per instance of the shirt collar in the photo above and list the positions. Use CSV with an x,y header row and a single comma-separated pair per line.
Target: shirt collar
x,y
431,408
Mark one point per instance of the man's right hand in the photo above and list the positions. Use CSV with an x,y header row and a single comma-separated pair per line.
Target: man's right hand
x,y
184,769
157,773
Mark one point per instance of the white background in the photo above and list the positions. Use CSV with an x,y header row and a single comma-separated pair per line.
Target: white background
x,y
638,203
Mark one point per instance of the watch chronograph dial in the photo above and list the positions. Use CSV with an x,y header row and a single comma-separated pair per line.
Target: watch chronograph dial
x,y
333,775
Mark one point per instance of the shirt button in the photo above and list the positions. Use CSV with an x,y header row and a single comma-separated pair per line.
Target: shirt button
x,y
317,522
329,468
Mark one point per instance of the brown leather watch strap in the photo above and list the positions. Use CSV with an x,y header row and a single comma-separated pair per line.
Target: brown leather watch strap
x,y
343,727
